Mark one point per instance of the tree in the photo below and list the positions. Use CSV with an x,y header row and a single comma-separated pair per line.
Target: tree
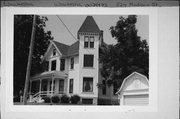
x,y
22,37
128,55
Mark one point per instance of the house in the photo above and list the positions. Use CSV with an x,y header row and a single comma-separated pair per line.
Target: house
x,y
72,69
134,90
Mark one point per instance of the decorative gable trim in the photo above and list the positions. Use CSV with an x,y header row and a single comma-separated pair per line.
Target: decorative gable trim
x,y
51,45
128,78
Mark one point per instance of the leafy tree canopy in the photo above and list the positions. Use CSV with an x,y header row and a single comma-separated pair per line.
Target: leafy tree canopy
x,y
22,37
128,55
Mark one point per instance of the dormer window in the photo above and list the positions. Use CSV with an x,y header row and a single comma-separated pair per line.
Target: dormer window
x,y
88,41
54,52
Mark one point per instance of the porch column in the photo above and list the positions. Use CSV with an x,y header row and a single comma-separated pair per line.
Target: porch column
x,y
30,87
40,85
30,95
52,84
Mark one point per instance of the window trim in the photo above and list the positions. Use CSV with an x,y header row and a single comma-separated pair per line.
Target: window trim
x,y
54,51
83,90
62,85
88,58
52,65
71,88
72,63
89,41
61,64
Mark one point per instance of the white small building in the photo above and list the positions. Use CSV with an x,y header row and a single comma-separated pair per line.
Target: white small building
x,y
134,90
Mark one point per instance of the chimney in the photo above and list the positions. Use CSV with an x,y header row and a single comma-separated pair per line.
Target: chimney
x,y
101,37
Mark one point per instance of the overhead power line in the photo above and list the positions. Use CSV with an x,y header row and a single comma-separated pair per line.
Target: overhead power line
x,y
72,34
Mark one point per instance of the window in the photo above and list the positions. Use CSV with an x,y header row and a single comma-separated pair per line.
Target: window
x,y
71,86
88,60
72,63
87,101
87,84
88,41
54,52
61,86
92,42
62,66
53,65
104,87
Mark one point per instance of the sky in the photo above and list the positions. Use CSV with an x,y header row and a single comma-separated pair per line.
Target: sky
x,y
104,22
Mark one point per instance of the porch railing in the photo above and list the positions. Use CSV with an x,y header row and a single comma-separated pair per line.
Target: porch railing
x,y
38,96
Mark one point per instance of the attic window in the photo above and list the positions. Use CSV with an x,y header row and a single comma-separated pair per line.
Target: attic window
x,y
54,52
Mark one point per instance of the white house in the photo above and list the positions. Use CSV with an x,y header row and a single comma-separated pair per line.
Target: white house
x,y
72,69
134,90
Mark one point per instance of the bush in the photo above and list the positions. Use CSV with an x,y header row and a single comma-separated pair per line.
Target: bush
x,y
75,99
16,99
47,99
65,99
55,99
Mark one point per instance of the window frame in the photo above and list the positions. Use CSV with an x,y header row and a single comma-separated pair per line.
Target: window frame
x,y
88,42
88,63
91,42
52,65
71,84
62,81
54,52
72,63
62,67
91,84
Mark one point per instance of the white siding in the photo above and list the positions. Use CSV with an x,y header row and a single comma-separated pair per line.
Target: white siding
x,y
89,72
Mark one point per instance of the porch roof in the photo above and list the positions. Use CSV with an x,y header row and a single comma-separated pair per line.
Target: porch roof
x,y
47,75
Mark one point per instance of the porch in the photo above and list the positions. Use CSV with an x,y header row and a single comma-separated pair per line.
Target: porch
x,y
47,84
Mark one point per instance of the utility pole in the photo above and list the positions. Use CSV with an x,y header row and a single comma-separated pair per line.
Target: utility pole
x,y
29,61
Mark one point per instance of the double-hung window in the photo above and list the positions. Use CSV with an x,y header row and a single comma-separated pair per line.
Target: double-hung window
x,y
53,65
62,66
87,84
71,86
72,63
88,60
91,41
88,41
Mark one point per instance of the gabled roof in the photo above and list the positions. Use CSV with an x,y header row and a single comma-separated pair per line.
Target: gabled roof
x,y
89,26
129,77
68,50
62,48
74,49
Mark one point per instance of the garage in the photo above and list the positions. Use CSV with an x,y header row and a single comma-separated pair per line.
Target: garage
x,y
134,90
136,99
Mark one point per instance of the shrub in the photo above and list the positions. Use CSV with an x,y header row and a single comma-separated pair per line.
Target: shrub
x,y
55,99
75,99
47,99
65,99
16,99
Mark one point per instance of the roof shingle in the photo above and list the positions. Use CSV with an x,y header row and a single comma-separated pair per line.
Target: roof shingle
x,y
89,26
68,50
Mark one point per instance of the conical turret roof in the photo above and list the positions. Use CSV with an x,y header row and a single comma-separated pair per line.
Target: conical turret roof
x,y
89,26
